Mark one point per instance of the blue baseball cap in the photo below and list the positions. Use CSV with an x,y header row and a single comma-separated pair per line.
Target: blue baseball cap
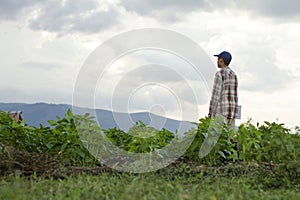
x,y
226,57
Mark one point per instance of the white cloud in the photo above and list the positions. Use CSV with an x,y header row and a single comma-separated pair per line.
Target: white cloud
x,y
167,10
172,11
277,9
76,15
279,106
140,80
11,10
34,68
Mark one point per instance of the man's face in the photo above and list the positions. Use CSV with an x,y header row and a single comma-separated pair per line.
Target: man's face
x,y
220,62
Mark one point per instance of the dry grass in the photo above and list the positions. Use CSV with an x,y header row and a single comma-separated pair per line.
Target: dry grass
x,y
15,161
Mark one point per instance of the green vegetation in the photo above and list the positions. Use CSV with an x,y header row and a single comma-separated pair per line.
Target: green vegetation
x,y
146,186
52,163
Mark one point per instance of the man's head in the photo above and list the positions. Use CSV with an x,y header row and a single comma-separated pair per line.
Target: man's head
x,y
224,59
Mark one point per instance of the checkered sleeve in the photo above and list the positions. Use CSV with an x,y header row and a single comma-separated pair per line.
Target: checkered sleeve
x,y
235,97
216,94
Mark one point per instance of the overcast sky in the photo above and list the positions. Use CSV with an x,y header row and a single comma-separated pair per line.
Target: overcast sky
x,y
44,45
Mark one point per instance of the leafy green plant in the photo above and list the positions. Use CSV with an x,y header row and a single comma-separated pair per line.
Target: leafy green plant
x,y
140,138
278,144
61,140
271,142
66,141
249,140
192,152
223,149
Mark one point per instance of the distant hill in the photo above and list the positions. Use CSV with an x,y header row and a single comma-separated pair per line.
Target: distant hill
x,y
40,113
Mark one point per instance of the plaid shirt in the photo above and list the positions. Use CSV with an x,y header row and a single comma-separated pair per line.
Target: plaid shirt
x,y
224,99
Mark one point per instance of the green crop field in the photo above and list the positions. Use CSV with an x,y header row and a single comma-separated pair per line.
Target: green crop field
x,y
52,163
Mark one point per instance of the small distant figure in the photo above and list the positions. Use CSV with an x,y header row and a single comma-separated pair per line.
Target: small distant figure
x,y
16,115
224,99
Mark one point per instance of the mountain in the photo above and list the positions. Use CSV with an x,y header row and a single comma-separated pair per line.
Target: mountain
x,y
40,113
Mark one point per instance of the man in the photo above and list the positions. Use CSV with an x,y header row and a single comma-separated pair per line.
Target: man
x,y
224,99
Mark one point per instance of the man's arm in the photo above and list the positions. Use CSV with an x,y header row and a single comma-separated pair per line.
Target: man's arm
x,y
216,94
236,96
